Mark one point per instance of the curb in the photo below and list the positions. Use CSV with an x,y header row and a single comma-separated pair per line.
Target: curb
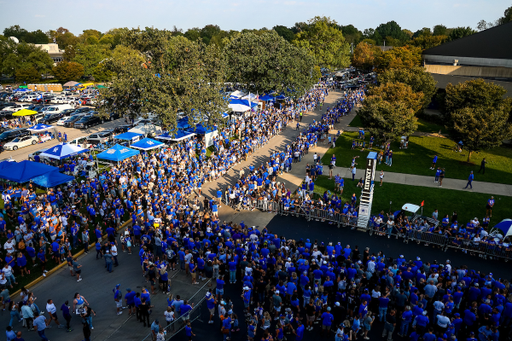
x,y
61,265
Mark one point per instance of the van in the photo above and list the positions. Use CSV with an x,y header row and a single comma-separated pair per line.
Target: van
x,y
57,109
81,142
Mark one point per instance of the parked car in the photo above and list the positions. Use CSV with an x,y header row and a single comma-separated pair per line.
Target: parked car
x,y
100,137
70,121
81,142
9,135
83,110
57,108
31,156
16,107
87,121
51,118
21,141
62,100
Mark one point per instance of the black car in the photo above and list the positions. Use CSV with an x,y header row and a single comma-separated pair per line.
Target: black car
x,y
68,112
7,104
82,110
8,136
88,121
7,114
50,118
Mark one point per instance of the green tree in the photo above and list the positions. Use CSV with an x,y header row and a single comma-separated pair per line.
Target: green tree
x,y
28,74
208,32
267,62
285,32
507,16
178,76
387,120
393,30
17,56
417,78
460,32
68,71
325,42
482,128
440,30
473,94
37,37
15,31
90,56
428,42
63,37
193,34
424,32
351,34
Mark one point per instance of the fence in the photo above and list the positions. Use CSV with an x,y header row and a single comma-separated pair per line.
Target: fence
x,y
437,240
179,322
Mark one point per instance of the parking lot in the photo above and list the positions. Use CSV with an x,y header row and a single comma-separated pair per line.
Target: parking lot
x,y
72,133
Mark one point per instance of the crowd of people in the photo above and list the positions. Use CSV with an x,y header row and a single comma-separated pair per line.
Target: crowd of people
x,y
289,287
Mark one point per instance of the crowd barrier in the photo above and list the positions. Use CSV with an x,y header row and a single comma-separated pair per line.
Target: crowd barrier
x,y
436,240
179,323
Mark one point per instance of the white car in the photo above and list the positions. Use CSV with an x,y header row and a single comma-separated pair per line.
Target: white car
x,y
61,120
20,142
31,156
62,100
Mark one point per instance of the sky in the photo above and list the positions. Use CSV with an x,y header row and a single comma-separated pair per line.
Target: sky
x,y
103,15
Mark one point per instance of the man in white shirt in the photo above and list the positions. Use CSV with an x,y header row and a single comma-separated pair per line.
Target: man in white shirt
x,y
8,275
9,246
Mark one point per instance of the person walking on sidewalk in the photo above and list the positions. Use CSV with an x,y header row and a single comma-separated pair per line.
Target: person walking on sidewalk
x,y
40,325
381,176
434,161
482,166
470,180
353,172
441,177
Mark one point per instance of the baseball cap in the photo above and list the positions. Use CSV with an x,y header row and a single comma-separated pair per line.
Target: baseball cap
x,y
328,308
277,292
128,289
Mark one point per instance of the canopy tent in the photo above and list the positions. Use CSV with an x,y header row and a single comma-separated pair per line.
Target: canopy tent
x,y
236,94
20,89
117,153
128,136
100,86
62,151
180,135
147,144
39,128
23,87
281,97
52,179
146,129
24,112
266,98
201,130
183,123
241,105
250,96
505,226
71,84
24,171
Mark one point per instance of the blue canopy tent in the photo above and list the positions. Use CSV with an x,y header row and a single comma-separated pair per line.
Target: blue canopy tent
x,y
147,144
62,151
281,96
201,130
24,171
52,179
241,105
183,123
128,136
40,127
117,153
267,98
178,136
505,226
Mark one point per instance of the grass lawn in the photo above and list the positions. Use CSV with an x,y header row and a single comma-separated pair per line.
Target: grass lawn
x,y
429,127
417,159
467,205
356,122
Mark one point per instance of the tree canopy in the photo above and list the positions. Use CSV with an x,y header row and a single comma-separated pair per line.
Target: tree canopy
x,y
267,62
68,71
166,76
325,42
365,55
417,78
388,111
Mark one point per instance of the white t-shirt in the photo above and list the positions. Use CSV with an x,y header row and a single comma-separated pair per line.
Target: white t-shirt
x,y
9,246
7,271
169,316
51,308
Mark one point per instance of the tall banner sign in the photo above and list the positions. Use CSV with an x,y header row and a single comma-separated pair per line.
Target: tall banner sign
x,y
365,203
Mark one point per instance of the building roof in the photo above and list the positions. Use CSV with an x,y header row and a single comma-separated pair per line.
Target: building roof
x,y
494,43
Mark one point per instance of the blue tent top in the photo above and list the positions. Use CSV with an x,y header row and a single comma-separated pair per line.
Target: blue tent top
x,y
243,102
201,130
178,136
62,151
52,179
147,144
281,96
183,123
128,136
117,153
23,171
266,98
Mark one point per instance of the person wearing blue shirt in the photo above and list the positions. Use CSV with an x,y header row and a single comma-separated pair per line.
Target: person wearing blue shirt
x,y
327,320
470,180
220,287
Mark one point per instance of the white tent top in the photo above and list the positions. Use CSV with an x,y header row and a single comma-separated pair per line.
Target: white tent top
x,y
146,129
237,94
252,97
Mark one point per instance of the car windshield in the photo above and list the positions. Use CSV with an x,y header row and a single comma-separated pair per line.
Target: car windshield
x,y
17,139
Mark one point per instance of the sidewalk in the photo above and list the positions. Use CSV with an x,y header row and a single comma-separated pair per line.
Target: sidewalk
x,y
428,181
